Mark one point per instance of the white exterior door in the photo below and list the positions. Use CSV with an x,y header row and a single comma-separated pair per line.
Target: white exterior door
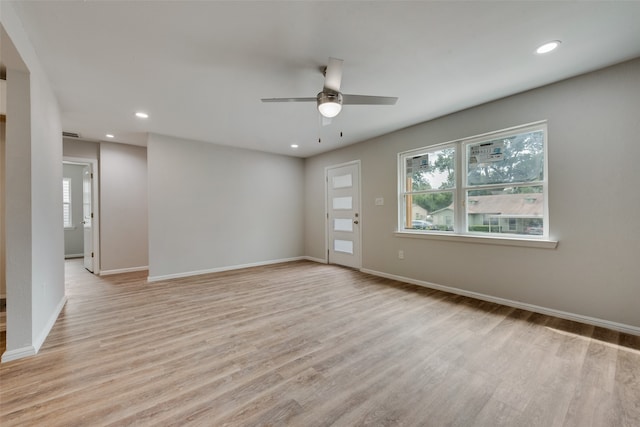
x,y
343,214
87,217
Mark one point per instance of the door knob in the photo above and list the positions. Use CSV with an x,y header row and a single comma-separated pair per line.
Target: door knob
x,y
355,221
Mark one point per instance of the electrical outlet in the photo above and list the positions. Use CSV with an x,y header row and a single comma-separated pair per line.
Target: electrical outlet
x,y
401,254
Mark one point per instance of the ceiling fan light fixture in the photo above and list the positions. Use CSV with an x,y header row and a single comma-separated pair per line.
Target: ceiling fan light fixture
x,y
329,104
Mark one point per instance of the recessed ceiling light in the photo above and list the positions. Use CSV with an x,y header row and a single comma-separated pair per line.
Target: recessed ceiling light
x,y
294,145
109,135
142,115
548,47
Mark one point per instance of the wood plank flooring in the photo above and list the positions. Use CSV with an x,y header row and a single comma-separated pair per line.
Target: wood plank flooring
x,y
306,344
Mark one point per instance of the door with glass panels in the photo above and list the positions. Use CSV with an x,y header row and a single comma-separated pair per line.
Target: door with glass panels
x,y
343,214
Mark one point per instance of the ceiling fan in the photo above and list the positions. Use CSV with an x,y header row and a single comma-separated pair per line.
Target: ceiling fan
x,y
331,100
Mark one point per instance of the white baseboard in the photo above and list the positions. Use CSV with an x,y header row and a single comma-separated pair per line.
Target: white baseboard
x,y
319,260
32,350
52,320
220,269
18,353
620,327
123,270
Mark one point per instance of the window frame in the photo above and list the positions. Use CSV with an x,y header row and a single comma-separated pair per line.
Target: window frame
x,y
462,187
402,179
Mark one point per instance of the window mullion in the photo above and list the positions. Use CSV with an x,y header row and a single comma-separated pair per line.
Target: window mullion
x,y
460,206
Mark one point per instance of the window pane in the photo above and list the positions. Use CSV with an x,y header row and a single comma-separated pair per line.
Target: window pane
x,y
66,214
66,201
431,170
512,210
430,211
66,190
515,159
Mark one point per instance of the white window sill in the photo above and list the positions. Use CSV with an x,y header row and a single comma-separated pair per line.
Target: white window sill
x,y
486,240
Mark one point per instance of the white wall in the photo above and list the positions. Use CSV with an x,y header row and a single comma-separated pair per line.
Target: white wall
x,y
34,238
74,237
593,130
123,208
215,207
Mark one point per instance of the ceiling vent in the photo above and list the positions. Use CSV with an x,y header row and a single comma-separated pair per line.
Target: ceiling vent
x,y
70,134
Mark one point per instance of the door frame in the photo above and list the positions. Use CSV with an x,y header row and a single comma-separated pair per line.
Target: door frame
x,y
94,205
326,209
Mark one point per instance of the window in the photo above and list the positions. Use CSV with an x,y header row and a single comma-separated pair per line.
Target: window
x,y
429,188
66,202
493,184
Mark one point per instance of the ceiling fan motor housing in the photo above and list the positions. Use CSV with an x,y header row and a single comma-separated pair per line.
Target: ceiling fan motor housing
x,y
329,96
329,103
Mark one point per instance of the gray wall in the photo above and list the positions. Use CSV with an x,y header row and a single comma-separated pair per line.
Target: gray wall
x,y
214,207
80,149
594,148
74,237
34,238
123,208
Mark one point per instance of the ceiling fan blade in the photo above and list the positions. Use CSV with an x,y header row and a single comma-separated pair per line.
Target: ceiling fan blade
x,y
368,100
289,99
333,75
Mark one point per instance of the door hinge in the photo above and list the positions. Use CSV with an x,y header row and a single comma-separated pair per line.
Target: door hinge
x,y
91,175
91,254
91,214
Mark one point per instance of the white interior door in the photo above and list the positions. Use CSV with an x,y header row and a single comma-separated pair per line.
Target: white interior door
x,y
343,214
87,216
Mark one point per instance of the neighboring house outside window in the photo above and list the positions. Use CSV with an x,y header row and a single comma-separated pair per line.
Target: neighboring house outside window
x,y
497,180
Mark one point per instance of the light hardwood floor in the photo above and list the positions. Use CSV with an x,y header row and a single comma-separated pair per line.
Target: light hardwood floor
x,y
306,344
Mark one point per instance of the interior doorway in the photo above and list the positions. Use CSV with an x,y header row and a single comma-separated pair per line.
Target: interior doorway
x,y
80,204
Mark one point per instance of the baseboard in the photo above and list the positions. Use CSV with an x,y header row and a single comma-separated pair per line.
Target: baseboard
x,y
47,328
32,350
69,256
619,327
18,353
123,270
318,260
220,269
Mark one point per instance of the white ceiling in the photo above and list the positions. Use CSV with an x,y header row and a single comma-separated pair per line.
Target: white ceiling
x,y
199,68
